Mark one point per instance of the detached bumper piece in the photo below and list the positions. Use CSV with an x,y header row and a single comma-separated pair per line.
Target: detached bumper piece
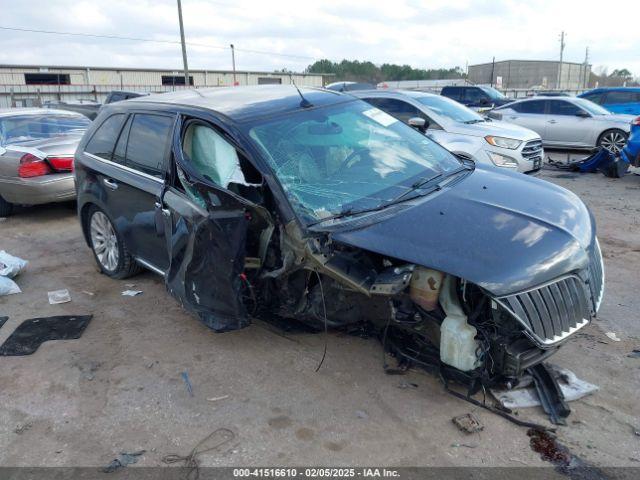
x,y
551,397
602,161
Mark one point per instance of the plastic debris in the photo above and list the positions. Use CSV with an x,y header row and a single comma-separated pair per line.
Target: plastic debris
x,y
571,386
131,293
633,354
185,377
468,423
87,292
59,296
215,399
362,414
123,460
612,336
10,266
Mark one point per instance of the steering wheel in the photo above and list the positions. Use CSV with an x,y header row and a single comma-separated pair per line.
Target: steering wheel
x,y
345,164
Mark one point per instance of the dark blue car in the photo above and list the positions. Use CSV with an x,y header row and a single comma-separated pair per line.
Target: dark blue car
x,y
616,99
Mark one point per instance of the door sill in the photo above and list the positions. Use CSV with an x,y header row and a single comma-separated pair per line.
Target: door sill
x,y
150,266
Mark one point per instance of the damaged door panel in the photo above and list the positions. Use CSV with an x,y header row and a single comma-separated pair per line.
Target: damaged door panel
x,y
207,230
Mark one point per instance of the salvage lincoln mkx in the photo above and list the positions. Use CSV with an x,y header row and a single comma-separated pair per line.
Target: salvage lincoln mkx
x,y
315,206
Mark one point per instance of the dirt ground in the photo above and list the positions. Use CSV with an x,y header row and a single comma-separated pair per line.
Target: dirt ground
x,y
119,387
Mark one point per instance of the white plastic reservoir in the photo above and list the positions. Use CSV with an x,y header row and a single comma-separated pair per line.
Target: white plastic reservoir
x,y
458,345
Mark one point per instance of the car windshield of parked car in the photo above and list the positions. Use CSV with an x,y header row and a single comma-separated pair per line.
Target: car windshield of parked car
x,y
450,109
493,93
589,106
23,128
347,158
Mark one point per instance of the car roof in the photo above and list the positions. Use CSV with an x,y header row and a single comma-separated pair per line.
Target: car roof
x,y
10,112
391,93
611,89
244,103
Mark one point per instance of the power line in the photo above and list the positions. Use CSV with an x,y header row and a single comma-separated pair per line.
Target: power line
x,y
138,39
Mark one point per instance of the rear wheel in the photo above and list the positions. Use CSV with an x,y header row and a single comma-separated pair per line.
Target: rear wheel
x,y
613,140
6,208
109,249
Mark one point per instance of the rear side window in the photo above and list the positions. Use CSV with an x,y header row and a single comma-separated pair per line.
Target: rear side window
x,y
558,107
452,92
595,98
104,138
622,97
535,106
149,138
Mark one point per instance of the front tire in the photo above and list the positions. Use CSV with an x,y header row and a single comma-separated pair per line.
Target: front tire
x,y
613,140
109,249
6,208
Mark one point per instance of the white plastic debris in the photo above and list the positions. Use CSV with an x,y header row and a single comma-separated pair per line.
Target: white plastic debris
x,y
131,293
59,296
572,388
612,336
8,286
11,266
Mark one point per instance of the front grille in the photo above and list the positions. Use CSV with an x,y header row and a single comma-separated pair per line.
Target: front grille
x,y
596,276
552,312
532,149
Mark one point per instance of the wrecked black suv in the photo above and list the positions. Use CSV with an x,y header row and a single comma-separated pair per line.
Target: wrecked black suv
x,y
309,205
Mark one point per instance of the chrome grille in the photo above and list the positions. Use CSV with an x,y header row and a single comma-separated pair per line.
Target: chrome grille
x,y
552,312
532,149
596,276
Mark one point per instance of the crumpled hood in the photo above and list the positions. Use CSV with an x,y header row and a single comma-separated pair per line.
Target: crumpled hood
x,y
494,127
504,231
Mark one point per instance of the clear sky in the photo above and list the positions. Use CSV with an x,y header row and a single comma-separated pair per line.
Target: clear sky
x,y
425,34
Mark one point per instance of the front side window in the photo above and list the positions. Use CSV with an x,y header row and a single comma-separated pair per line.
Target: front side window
x,y
403,111
149,138
22,128
449,109
559,107
104,138
453,92
211,155
346,157
474,95
532,107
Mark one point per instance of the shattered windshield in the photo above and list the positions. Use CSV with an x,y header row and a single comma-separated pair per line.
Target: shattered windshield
x,y
347,158
22,128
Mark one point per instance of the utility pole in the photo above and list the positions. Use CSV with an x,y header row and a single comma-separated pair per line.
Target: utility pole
x,y
562,44
233,63
493,68
586,67
184,46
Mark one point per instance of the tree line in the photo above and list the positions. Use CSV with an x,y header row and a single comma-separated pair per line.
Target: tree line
x,y
356,71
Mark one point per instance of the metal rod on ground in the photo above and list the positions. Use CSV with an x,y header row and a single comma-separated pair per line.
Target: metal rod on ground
x,y
184,46
233,63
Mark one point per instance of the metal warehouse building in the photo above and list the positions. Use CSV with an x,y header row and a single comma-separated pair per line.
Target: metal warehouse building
x,y
531,73
32,85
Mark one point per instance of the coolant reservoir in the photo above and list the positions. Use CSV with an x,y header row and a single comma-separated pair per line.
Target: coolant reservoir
x,y
458,345
425,287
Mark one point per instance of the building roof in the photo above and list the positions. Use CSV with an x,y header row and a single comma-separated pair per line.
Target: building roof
x,y
243,103
527,61
179,71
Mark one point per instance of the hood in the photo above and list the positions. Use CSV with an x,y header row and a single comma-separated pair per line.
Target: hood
x,y
493,127
503,231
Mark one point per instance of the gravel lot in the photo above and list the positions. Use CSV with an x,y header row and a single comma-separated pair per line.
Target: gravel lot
x,y
119,387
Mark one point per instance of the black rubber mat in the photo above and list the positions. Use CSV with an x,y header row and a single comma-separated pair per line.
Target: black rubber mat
x,y
32,333
3,320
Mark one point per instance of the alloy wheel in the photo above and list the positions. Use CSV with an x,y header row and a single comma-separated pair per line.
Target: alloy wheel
x,y
104,241
613,141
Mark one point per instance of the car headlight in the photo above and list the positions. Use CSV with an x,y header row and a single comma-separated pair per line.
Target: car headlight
x,y
503,142
502,160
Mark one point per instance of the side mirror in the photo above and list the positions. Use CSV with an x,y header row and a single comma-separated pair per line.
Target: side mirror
x,y
582,114
419,124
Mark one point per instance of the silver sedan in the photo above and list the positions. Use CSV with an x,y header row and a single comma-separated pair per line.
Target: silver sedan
x,y
568,122
36,156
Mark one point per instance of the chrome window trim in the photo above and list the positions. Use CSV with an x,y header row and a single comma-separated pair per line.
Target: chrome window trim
x,y
124,167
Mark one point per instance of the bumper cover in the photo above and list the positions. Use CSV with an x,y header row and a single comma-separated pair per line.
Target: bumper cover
x,y
38,190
